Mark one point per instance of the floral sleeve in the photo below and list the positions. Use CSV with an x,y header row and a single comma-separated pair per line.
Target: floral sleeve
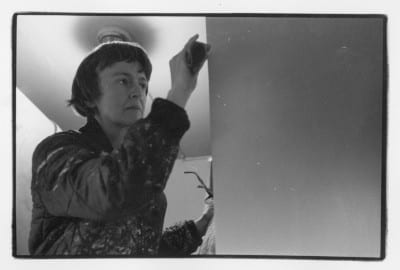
x,y
181,239
74,181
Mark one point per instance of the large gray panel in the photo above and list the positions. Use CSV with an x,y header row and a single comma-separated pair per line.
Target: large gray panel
x,y
296,109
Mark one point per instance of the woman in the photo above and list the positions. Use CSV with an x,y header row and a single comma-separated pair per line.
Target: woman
x,y
99,191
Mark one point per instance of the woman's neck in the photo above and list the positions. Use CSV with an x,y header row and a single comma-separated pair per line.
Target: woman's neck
x,y
114,133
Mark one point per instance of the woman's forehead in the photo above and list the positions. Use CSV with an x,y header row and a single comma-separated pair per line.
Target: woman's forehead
x,y
123,67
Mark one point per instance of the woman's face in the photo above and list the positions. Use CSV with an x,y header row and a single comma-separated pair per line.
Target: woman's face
x,y
123,87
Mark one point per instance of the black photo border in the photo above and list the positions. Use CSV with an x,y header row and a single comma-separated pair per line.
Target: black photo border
x,y
385,77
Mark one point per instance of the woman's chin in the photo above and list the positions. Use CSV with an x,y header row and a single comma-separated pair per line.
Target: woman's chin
x,y
132,116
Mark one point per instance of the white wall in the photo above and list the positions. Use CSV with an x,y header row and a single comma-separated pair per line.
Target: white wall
x,y
32,126
185,200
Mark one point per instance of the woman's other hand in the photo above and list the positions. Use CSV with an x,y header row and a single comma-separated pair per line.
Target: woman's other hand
x,y
205,219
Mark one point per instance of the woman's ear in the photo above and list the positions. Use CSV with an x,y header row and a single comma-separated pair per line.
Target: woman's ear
x,y
90,104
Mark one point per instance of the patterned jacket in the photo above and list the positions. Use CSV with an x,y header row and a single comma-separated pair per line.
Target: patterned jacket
x,y
92,200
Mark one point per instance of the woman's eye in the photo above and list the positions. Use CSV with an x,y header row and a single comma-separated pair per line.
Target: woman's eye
x,y
123,81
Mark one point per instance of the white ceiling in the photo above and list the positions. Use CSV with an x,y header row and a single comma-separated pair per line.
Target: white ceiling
x,y
50,48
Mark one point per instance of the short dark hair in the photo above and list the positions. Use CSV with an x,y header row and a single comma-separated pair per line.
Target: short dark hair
x,y
85,87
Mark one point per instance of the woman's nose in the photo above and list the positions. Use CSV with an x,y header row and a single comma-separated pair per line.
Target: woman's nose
x,y
135,90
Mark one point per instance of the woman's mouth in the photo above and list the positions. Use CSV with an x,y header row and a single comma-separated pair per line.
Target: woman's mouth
x,y
133,107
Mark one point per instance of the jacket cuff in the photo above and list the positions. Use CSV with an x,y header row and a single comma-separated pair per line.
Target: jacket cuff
x,y
195,236
170,116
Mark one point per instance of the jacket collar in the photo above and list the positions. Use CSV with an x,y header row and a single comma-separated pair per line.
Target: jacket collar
x,y
95,135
